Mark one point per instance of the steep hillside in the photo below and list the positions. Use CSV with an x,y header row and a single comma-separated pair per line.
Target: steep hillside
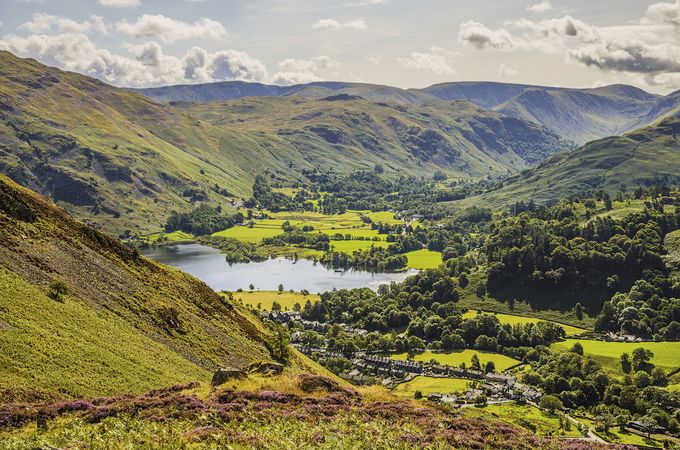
x,y
584,115
643,157
126,323
457,136
579,115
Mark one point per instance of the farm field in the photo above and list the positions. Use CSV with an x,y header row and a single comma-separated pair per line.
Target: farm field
x,y
356,244
521,415
386,217
429,385
502,362
513,319
266,299
666,354
424,259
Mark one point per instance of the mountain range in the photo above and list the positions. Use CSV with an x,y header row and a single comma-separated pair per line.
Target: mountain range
x,y
124,161
579,115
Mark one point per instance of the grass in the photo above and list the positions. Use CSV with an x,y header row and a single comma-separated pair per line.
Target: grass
x,y
246,234
617,436
424,259
175,236
69,349
513,320
545,424
666,354
265,299
386,217
429,385
355,245
502,362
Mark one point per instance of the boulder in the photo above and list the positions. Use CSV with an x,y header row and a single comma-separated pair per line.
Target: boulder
x,y
266,367
223,375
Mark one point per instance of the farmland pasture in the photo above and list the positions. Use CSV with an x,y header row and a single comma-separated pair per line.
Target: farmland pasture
x,y
386,217
666,354
424,259
502,362
266,299
513,320
429,385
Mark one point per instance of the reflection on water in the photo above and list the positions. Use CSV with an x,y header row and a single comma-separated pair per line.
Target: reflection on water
x,y
210,265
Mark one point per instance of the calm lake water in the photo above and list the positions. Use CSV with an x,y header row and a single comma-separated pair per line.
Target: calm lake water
x,y
209,265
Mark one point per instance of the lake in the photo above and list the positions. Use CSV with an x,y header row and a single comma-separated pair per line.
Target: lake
x,y
209,265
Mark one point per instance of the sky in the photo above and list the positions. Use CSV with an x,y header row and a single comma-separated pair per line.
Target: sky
x,y
403,43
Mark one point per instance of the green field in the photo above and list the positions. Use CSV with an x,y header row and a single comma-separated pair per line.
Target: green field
x,y
429,385
265,299
175,236
546,425
424,259
502,362
512,320
356,244
384,217
666,354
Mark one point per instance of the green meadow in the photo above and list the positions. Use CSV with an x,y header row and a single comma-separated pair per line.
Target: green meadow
x,y
429,385
502,362
666,354
265,299
424,259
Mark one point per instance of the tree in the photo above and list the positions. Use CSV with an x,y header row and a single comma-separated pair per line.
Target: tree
x,y
279,346
280,288
57,289
251,287
474,362
604,421
658,376
641,358
378,168
625,362
463,280
550,403
276,306
490,367
577,348
418,395
607,201
622,420
579,312
648,424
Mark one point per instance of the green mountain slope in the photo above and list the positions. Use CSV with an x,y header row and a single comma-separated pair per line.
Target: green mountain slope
x,y
643,157
123,161
579,115
127,324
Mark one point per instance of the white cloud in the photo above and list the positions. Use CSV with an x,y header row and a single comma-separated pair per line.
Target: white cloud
x,y
332,24
374,60
47,23
119,3
367,3
649,46
147,65
507,70
480,36
436,61
171,30
541,7
297,71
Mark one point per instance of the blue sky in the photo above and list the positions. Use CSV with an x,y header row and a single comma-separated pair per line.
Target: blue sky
x,y
405,43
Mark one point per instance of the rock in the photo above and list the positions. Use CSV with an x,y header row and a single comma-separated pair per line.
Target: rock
x,y
223,375
311,383
265,367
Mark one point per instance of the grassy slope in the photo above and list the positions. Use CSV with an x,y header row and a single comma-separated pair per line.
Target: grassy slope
x,y
666,354
644,156
429,385
513,319
128,324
